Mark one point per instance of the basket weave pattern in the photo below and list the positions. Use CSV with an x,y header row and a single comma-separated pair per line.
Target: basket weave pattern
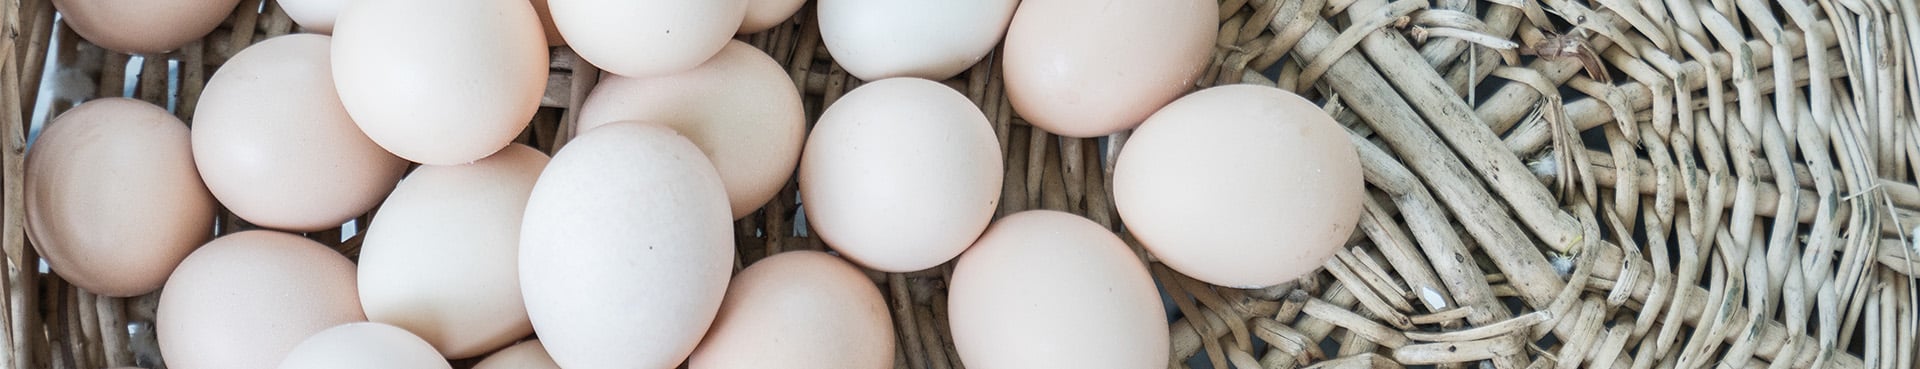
x,y
1555,183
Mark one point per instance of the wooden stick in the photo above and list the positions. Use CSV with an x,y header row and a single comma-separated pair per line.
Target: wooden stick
x,y
1588,113
1465,282
21,266
904,321
1369,95
1766,201
1313,328
1186,338
32,52
1450,116
246,15
113,331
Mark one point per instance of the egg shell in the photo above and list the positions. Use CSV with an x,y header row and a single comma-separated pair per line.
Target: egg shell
x,y
317,16
626,249
364,346
1046,289
1105,71
1283,186
143,27
274,145
765,14
525,355
440,81
440,260
112,199
800,309
245,300
900,174
932,39
313,15
740,108
641,38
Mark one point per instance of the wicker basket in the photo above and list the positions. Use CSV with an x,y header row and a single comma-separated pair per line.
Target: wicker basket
x,y
1556,184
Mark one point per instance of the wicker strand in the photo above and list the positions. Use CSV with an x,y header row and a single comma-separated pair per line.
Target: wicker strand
x,y
1398,123
17,307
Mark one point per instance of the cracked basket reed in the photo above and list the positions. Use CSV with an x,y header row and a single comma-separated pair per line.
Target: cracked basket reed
x,y
1557,183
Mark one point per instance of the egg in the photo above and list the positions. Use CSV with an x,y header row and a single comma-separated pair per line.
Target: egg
x,y
740,108
933,39
1107,70
626,248
642,38
112,199
317,16
440,81
900,174
1283,186
364,346
143,27
245,300
440,258
274,145
525,355
1046,289
800,309
313,15
765,14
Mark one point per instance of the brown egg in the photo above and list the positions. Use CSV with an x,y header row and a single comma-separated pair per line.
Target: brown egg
x,y
276,147
440,82
525,355
245,300
932,39
801,309
1282,186
1046,289
364,346
143,27
112,199
642,38
900,174
440,258
626,248
740,108
765,14
1106,70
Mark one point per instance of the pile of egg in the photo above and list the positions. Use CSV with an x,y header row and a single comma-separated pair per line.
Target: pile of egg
x,y
617,251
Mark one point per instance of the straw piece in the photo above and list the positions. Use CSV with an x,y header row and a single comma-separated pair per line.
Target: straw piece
x,y
20,263
904,320
1374,99
1313,328
1440,316
1485,331
38,25
1464,279
1186,338
1766,199
1433,353
1362,361
1368,296
245,18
